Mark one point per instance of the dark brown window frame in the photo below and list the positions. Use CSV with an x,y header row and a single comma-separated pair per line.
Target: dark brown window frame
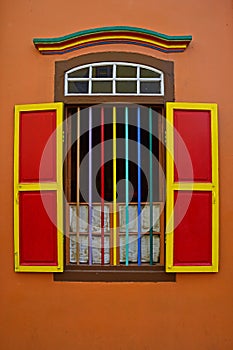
x,y
114,273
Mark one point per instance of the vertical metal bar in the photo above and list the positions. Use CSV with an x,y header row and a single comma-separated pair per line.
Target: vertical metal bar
x,y
114,190
90,189
68,163
139,183
151,185
102,185
77,183
126,187
67,176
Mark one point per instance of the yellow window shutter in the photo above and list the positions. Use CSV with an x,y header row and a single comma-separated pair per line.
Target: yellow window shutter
x,y
192,203
38,212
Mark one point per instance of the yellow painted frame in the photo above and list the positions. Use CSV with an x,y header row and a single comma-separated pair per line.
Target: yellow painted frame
x,y
56,186
171,186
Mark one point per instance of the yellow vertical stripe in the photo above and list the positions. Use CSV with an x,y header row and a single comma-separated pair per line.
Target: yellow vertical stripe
x,y
215,186
78,183
114,190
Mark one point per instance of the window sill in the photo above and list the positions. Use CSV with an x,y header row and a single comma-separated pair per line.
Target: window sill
x,y
115,274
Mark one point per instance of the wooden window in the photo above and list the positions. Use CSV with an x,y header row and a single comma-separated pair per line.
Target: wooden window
x,y
121,235
142,81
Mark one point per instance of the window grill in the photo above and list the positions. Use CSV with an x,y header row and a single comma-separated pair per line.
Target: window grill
x,y
105,225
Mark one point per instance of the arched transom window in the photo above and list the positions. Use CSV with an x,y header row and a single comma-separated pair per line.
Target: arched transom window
x,y
114,78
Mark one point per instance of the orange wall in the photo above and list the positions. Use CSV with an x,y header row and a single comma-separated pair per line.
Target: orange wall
x,y
196,311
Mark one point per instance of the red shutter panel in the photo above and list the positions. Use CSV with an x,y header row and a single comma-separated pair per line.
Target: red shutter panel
x,y
192,188
38,188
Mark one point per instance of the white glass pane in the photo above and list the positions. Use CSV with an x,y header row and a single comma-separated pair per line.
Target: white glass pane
x,y
145,248
145,218
83,218
133,249
133,215
96,219
73,218
73,240
83,248
96,250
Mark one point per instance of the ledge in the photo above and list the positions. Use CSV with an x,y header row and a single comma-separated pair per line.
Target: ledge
x,y
112,35
115,274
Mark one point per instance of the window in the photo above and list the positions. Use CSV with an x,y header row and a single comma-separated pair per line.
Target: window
x,y
118,78
116,192
120,230
116,236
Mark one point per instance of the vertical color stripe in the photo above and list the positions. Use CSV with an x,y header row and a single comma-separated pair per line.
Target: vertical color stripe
x,y
77,182
114,190
90,189
126,187
139,184
102,185
151,186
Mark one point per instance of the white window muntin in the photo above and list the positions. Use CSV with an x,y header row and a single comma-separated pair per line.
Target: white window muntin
x,y
138,79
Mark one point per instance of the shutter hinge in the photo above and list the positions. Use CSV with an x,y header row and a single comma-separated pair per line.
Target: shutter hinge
x,y
63,136
214,197
17,197
16,261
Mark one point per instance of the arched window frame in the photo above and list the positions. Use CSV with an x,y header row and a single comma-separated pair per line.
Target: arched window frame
x,y
114,79
166,67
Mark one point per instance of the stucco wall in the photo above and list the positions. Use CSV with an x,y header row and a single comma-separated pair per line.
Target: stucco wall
x,y
196,311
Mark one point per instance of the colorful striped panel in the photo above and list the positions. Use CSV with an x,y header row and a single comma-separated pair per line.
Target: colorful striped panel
x,y
112,35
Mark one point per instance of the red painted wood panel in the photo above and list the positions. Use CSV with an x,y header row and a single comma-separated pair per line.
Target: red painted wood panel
x,y
194,128
193,235
37,233
36,127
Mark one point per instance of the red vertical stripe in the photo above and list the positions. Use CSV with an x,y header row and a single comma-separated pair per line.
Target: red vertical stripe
x,y
102,186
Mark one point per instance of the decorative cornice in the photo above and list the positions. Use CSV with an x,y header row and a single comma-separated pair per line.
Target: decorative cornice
x,y
112,35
